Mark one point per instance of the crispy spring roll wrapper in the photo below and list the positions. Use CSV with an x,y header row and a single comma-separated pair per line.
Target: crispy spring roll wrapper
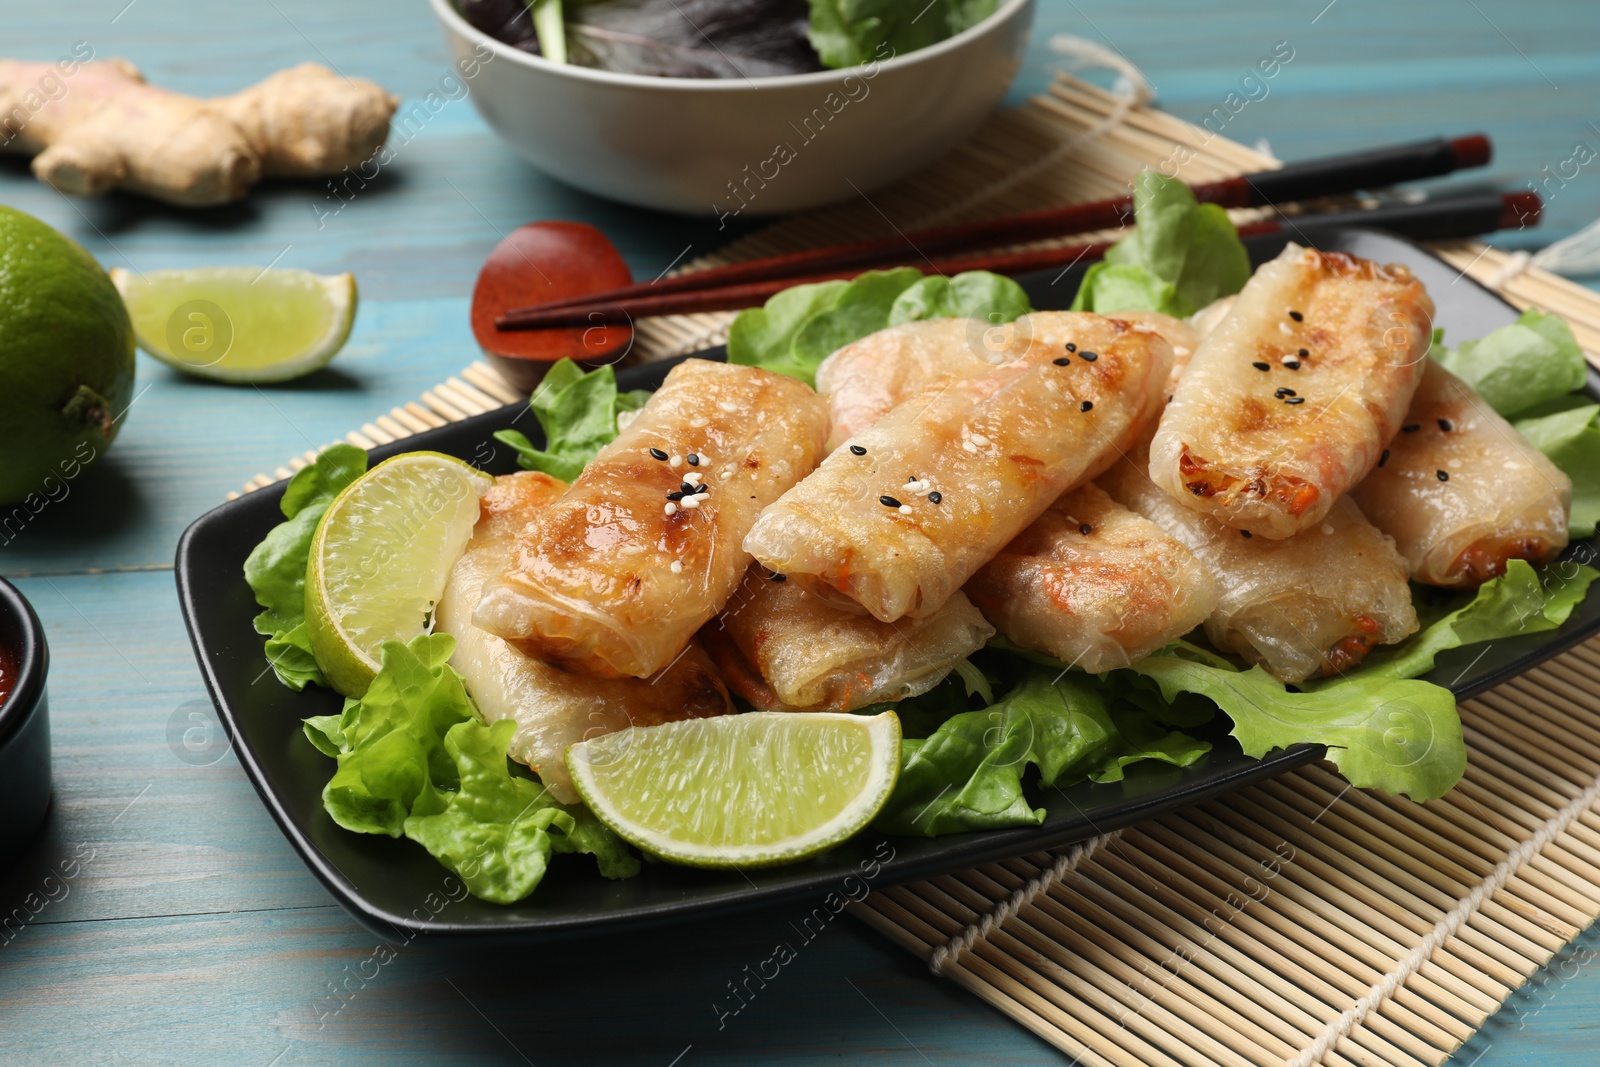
x,y
592,586
972,461
1093,584
865,378
1462,492
552,708
1265,438
784,649
1312,604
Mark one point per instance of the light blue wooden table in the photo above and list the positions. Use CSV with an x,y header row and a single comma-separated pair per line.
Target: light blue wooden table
x,y
191,933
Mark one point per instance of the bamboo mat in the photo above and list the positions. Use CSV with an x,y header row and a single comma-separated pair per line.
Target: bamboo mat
x,y
1294,922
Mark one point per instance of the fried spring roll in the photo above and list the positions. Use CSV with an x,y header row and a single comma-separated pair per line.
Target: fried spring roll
x,y
899,519
1093,584
1312,604
1462,492
552,708
783,649
1291,398
616,576
865,378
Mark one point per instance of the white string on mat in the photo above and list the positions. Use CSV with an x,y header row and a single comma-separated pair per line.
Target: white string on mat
x,y
1446,928
1025,894
1132,88
1577,254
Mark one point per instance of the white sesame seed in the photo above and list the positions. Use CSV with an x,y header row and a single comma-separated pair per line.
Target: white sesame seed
x,y
727,406
671,508
694,477
1286,360
905,509
699,422
968,446
727,474
691,502
705,460
675,461
677,568
980,440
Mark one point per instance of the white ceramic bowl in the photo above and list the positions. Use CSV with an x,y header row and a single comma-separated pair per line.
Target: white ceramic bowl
x,y
740,146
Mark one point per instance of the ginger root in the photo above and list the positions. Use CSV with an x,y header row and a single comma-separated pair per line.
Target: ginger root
x,y
98,126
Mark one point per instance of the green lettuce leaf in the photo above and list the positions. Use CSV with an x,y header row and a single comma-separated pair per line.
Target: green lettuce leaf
x,y
974,294
390,743
968,774
847,33
1571,438
863,307
414,758
1181,256
1515,603
801,326
1518,367
276,568
1398,735
498,830
578,412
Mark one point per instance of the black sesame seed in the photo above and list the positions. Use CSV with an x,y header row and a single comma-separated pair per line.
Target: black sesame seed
x,y
858,450
1383,458
693,458
1071,347
888,501
1296,316
1283,391
1246,534
935,496
1085,529
656,453
1090,356
779,577
1061,361
1443,476
1446,425
1410,428
688,490
1294,400
702,489
1086,405
1293,364
676,494
1261,365
1304,353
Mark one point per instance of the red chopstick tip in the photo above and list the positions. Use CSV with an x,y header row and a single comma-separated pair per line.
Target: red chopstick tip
x,y
1521,211
1473,150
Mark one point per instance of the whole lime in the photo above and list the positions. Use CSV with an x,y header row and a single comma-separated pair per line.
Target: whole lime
x,y
66,359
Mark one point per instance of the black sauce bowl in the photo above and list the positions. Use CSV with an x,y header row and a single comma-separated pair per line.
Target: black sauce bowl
x,y
24,726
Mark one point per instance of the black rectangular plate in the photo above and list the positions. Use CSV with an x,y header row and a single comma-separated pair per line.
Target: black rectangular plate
x,y
386,883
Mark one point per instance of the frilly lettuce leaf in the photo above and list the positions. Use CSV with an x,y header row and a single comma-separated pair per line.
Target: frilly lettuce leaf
x,y
276,568
1515,603
578,412
1571,438
1181,256
1516,368
796,329
968,774
414,758
847,33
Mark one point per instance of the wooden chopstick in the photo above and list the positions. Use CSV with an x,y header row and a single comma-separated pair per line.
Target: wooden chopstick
x,y
1325,176
1446,217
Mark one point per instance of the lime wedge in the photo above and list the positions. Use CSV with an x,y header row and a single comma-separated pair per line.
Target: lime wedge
x,y
750,790
239,324
380,559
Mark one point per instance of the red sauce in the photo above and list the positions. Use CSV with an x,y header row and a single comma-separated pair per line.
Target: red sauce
x,y
8,673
